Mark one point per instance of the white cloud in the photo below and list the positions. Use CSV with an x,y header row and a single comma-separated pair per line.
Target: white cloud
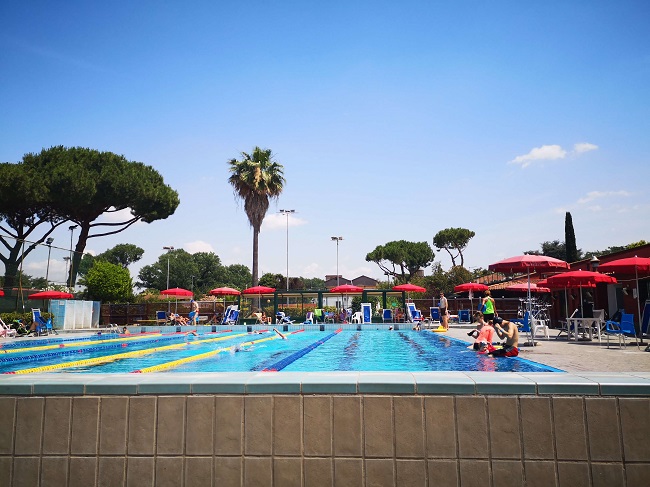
x,y
551,153
594,195
543,153
584,147
198,246
279,220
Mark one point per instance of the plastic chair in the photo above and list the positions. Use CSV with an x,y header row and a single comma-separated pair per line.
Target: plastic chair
x,y
539,325
356,317
565,325
41,323
623,329
309,318
525,328
387,315
161,317
435,314
464,316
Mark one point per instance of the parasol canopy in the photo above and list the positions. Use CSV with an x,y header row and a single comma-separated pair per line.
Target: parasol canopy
x,y
2,293
346,289
579,278
259,290
470,286
408,287
177,291
51,295
224,291
527,263
630,265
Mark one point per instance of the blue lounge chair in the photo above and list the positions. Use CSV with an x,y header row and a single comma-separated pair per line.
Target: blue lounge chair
x,y
43,326
414,315
464,316
624,328
282,319
161,317
434,312
387,315
231,315
524,326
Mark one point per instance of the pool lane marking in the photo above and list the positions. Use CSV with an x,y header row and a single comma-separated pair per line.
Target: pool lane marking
x,y
109,358
76,344
201,356
281,364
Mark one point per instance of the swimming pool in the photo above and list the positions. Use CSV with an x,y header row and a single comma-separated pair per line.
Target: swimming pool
x,y
240,351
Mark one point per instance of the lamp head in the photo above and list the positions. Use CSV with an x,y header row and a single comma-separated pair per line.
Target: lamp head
x,y
49,241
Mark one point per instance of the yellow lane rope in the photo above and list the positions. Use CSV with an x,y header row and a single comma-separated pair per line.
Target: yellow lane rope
x,y
109,358
77,344
201,356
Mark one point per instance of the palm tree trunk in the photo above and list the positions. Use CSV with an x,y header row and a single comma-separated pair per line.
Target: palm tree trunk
x,y
256,239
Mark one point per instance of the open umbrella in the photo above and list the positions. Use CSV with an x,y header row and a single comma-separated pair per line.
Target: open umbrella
x,y
259,290
224,291
408,287
526,263
2,293
631,265
470,287
346,289
579,279
176,291
51,295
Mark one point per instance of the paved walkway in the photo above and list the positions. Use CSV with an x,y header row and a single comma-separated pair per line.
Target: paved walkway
x,y
581,356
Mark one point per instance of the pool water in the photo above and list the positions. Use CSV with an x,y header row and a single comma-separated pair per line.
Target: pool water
x,y
367,350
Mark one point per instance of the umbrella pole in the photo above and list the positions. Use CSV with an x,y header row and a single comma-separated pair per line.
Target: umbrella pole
x,y
530,308
638,301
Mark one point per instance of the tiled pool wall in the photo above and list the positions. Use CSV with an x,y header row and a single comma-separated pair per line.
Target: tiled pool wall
x,y
336,429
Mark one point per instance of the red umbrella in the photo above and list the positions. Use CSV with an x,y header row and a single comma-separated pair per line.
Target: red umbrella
x,y
2,293
346,289
534,288
408,287
51,295
225,291
579,279
259,290
176,291
631,265
526,263
470,286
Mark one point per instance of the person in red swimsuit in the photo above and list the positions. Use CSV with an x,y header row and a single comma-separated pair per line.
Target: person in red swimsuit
x,y
505,330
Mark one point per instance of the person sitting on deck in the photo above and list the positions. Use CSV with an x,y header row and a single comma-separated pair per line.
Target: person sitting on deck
x,y
485,335
505,329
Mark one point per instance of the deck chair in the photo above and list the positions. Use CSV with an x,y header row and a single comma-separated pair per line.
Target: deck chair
x,y
565,325
464,316
434,312
6,331
538,326
258,319
233,319
42,327
387,315
525,327
228,315
623,329
319,316
309,318
161,317
329,317
357,317
414,315
282,319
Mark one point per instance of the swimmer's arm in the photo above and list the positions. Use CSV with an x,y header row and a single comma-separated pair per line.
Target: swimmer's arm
x,y
502,332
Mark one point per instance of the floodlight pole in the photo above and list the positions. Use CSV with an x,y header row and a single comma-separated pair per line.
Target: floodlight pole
x,y
48,242
338,239
168,249
71,228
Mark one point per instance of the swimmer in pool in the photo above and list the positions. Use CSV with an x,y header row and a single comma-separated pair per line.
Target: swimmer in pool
x,y
279,334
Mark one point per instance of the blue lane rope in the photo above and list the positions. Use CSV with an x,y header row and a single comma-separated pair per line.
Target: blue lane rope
x,y
281,364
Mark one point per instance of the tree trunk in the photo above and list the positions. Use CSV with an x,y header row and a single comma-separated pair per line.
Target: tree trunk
x,y
78,254
256,239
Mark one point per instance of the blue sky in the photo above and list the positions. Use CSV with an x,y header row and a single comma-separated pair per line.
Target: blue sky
x,y
393,120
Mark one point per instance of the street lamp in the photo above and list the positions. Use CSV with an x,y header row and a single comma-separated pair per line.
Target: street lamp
x,y
287,213
71,228
168,249
48,242
338,239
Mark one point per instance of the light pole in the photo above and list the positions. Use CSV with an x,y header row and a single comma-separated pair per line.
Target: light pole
x,y
287,213
192,285
48,242
168,249
71,228
338,239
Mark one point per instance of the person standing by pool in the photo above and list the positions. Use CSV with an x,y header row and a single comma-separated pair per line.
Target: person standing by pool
x,y
508,330
444,314
488,306
194,314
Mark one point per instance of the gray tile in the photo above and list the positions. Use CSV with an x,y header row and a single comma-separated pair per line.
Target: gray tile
x,y
502,383
220,382
386,383
619,384
443,383
330,382
554,383
274,382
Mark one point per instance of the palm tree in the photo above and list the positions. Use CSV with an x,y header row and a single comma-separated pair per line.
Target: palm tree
x,y
256,179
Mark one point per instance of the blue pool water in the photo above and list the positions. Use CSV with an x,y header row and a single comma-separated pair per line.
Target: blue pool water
x,y
368,350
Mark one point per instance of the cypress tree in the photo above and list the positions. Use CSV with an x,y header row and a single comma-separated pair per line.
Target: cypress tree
x,y
570,239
